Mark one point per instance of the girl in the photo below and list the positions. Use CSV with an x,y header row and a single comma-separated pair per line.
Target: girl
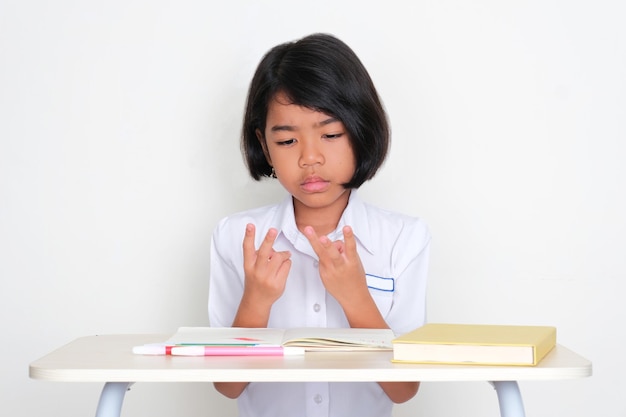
x,y
322,257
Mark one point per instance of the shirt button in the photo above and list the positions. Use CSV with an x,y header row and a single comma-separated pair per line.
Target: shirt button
x,y
317,399
316,307
316,264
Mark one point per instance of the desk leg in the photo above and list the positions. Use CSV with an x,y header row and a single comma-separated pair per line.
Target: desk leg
x,y
111,399
509,398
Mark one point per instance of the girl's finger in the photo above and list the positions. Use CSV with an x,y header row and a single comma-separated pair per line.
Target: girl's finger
x,y
311,236
266,250
277,258
349,240
248,243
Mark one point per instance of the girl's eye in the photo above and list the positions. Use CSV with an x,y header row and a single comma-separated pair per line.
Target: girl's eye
x,y
285,142
333,136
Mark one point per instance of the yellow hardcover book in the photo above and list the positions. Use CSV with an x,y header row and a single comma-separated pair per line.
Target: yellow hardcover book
x,y
475,344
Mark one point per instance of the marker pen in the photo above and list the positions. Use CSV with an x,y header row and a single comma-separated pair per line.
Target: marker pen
x,y
153,350
258,350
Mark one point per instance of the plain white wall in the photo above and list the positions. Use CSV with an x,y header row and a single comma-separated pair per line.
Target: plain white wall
x,y
119,127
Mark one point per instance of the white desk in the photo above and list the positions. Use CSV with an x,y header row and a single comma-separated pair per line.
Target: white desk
x,y
109,359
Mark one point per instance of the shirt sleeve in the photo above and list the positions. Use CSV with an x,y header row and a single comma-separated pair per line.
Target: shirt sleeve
x,y
226,280
410,259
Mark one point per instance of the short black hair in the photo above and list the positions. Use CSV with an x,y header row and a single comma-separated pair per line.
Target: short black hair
x,y
322,73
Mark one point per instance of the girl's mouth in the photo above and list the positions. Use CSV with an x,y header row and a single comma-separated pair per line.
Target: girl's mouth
x,y
314,184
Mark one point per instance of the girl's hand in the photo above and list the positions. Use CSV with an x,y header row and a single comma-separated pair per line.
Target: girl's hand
x,y
266,270
266,273
340,266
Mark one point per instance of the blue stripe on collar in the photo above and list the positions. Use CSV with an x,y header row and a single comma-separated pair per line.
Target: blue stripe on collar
x,y
380,283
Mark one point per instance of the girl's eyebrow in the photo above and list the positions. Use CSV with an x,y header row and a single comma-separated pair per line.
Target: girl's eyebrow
x,y
289,128
283,128
327,121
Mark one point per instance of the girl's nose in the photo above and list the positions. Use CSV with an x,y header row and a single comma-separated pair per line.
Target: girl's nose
x,y
310,155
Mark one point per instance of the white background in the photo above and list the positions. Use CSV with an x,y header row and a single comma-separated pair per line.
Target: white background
x,y
119,129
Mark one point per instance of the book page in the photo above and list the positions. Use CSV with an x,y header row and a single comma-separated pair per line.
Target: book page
x,y
339,338
226,336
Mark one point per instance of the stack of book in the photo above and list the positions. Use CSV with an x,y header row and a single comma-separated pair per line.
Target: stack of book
x,y
475,344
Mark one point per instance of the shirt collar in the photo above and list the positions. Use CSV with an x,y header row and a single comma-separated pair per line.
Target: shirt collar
x,y
354,215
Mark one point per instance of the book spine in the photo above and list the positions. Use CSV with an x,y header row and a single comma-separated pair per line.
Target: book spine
x,y
544,346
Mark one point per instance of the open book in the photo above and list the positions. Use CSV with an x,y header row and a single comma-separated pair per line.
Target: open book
x,y
310,338
265,341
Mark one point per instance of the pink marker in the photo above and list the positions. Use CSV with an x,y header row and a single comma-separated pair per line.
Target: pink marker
x,y
235,351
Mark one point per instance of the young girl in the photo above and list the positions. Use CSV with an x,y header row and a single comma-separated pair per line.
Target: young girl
x,y
322,257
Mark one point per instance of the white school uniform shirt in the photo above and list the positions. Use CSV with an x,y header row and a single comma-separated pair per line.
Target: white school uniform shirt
x,y
394,251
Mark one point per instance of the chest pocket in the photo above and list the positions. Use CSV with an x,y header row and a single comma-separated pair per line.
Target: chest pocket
x,y
382,290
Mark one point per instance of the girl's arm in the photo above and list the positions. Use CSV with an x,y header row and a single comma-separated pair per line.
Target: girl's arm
x,y
343,276
361,311
265,276
230,390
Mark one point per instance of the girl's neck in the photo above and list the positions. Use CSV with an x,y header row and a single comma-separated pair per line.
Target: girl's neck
x,y
323,219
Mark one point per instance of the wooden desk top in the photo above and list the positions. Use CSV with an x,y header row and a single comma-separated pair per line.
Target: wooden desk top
x,y
109,358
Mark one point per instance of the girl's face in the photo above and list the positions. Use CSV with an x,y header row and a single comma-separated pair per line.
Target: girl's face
x,y
311,154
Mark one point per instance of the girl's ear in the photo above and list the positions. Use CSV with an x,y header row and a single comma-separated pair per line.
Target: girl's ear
x,y
261,139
